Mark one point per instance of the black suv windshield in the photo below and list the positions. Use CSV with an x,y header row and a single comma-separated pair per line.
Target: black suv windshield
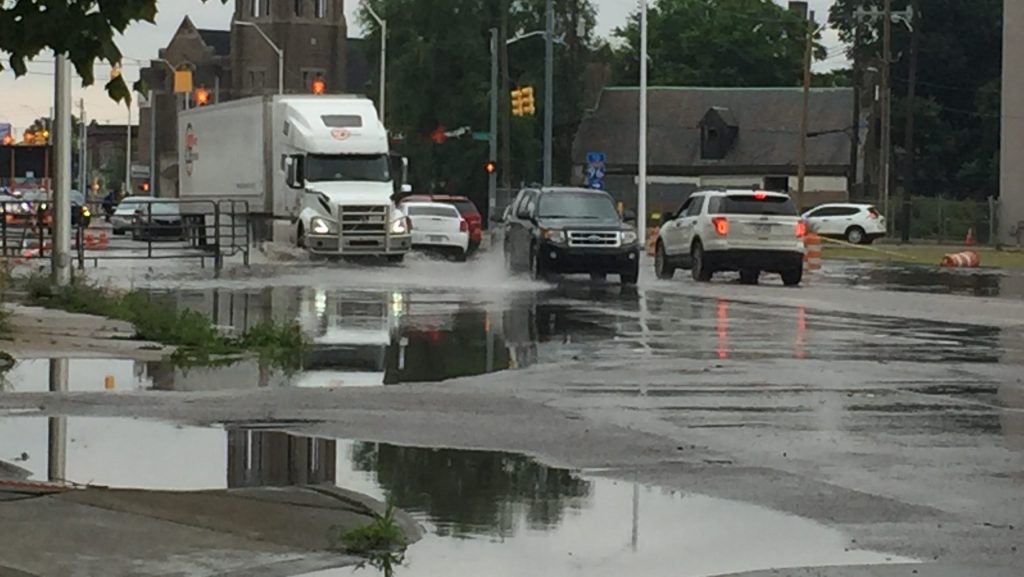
x,y
753,204
583,205
364,168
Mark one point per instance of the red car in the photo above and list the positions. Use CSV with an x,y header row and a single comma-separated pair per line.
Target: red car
x,y
466,208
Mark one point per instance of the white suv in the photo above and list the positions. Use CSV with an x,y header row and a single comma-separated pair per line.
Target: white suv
x,y
749,231
857,223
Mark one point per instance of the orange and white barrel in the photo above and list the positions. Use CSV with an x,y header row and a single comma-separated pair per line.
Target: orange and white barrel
x,y
812,252
965,259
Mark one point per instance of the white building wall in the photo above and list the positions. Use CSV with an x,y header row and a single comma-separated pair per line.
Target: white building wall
x,y
1011,211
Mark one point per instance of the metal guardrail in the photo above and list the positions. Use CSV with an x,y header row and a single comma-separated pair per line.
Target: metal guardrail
x,y
160,229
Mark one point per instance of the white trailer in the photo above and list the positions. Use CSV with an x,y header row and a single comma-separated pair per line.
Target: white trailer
x,y
316,170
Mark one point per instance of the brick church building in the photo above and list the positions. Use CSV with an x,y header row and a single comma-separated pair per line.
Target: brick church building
x,y
239,63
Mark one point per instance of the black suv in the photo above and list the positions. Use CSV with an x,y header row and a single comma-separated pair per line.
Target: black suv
x,y
569,230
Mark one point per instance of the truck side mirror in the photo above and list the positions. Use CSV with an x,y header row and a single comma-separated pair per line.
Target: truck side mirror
x,y
296,174
406,189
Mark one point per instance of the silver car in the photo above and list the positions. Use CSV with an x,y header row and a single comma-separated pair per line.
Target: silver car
x,y
124,216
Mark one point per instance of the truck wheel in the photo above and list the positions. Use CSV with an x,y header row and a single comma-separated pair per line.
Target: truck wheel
x,y
396,258
701,268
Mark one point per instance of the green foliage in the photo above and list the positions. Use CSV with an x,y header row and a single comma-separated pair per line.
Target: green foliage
x,y
959,69
382,535
83,30
715,43
198,342
439,75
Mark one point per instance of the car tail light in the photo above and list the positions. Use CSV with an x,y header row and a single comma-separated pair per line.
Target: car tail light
x,y
872,213
721,225
801,229
463,226
760,195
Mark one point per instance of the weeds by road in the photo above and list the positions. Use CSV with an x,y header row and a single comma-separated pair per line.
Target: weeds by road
x,y
197,340
922,254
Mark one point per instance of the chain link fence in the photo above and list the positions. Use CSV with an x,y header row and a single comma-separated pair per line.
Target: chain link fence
x,y
944,220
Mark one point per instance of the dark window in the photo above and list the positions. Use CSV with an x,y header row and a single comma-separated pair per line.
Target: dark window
x,y
351,167
696,206
342,121
298,7
581,205
755,204
320,8
255,8
776,183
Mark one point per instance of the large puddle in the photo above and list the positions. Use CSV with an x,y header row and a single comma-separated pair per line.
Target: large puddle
x,y
375,338
486,513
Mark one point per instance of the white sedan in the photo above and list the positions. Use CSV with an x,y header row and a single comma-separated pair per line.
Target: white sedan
x,y
438,226
856,223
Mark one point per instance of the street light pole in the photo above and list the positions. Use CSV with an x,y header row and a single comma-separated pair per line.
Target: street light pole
x,y
61,264
279,51
492,178
641,212
549,92
383,58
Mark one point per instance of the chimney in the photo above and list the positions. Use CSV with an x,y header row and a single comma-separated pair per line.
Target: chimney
x,y
799,8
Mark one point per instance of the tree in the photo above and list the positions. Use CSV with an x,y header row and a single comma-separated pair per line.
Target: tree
x,y
439,79
957,108
715,43
83,30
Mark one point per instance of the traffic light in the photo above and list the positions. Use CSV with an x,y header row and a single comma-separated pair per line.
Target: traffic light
x,y
8,140
318,87
144,187
529,106
491,167
517,102
202,97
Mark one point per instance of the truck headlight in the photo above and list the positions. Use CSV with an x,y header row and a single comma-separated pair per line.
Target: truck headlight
x,y
628,236
400,226
554,236
322,226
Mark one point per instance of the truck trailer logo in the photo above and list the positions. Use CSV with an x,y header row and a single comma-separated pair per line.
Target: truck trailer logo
x,y
340,134
191,142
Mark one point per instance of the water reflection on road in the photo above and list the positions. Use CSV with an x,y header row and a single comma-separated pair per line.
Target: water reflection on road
x,y
486,513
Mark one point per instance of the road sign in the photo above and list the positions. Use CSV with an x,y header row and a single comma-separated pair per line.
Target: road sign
x,y
140,171
595,170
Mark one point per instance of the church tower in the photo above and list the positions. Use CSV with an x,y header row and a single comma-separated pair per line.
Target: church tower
x,y
312,33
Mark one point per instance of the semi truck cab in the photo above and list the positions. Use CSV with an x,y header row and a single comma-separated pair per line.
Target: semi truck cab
x,y
335,155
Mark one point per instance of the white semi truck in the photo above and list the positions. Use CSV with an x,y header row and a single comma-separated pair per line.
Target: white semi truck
x,y
316,170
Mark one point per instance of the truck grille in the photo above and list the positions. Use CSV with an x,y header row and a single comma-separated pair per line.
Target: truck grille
x,y
594,239
364,220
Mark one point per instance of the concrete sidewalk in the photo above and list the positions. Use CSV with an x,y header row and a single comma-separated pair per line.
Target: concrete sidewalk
x,y
261,532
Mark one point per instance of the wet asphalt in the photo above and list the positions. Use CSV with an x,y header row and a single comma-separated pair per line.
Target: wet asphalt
x,y
874,416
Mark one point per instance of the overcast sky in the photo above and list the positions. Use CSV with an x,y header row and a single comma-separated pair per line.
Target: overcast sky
x,y
31,96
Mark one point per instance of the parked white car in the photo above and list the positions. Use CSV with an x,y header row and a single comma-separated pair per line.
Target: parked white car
x,y
749,231
856,223
438,226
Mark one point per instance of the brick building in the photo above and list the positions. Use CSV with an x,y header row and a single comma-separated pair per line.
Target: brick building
x,y
238,63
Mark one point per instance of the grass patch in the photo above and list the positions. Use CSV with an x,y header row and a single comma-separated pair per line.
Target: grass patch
x,y
198,342
923,254
381,536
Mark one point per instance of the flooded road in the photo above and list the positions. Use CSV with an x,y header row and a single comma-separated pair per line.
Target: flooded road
x,y
581,428
485,512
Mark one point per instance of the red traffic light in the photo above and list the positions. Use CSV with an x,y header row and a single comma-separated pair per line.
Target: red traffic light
x,y
491,167
144,186
318,87
202,97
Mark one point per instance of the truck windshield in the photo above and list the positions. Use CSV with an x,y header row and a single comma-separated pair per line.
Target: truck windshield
x,y
583,205
358,167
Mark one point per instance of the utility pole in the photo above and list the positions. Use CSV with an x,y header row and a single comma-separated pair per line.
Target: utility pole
x,y
858,86
128,156
886,165
549,92
492,178
83,150
908,174
805,113
383,24
506,120
152,139
61,134
641,204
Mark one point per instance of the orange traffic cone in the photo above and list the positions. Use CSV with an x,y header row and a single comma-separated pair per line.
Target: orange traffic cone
x,y
969,241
